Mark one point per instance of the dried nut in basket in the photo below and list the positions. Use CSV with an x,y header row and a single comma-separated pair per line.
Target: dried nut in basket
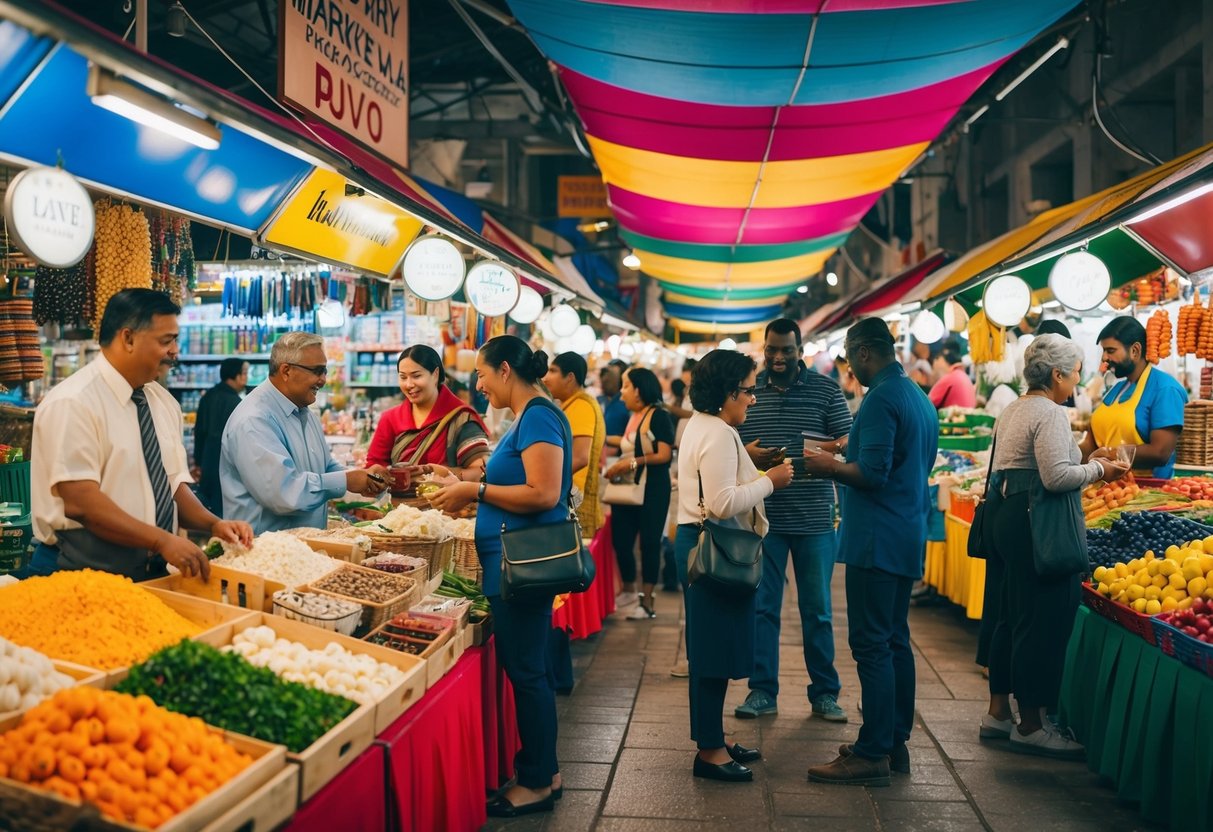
x,y
377,588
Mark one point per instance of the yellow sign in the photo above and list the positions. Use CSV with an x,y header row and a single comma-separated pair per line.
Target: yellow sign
x,y
362,232
348,63
581,196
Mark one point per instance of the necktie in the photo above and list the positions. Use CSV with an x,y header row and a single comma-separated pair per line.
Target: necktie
x,y
154,462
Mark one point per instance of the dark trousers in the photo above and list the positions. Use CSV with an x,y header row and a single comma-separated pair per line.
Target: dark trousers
x,y
522,629
1028,646
647,522
878,607
707,709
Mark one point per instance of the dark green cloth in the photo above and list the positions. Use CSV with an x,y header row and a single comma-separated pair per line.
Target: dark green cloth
x,y
1145,718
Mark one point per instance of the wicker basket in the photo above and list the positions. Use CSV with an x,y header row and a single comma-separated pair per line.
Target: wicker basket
x,y
437,553
343,624
375,614
465,562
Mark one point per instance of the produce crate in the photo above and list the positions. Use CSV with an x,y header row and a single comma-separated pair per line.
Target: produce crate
x,y
346,550
342,624
83,676
482,630
265,809
243,589
462,609
395,700
440,655
966,443
969,420
211,617
374,614
437,553
1127,617
1179,645
26,808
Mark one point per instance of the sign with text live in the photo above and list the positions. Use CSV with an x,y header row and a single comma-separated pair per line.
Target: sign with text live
x,y
347,62
357,230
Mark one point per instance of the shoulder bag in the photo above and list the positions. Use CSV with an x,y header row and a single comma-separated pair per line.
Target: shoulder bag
x,y
976,545
549,559
1059,531
725,558
630,491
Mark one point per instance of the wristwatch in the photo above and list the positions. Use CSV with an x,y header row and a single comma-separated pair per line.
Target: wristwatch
x,y
480,491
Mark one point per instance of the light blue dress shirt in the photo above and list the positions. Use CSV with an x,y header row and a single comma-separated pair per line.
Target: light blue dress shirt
x,y
276,470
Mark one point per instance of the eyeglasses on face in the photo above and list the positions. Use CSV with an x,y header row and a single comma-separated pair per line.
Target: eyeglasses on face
x,y
752,392
318,370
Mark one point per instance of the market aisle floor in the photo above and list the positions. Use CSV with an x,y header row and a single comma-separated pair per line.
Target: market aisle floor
x,y
626,756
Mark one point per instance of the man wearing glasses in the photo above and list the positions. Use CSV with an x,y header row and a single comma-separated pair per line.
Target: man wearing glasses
x,y
791,400
276,470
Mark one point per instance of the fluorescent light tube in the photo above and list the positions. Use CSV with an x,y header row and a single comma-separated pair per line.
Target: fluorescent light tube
x,y
127,100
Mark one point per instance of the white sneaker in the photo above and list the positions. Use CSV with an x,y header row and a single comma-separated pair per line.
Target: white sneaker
x,y
1048,742
626,599
639,613
996,729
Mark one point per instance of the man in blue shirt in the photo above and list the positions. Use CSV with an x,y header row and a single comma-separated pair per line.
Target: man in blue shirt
x,y
885,504
614,411
790,400
276,469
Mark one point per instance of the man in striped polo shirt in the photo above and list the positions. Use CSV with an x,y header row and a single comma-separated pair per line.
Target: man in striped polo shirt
x,y
793,399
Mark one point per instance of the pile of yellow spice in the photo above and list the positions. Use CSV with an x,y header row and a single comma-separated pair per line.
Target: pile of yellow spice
x,y
91,618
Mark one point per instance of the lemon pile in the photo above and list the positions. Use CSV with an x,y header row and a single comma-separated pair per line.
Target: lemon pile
x,y
1151,584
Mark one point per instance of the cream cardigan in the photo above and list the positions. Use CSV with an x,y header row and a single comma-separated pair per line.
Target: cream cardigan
x,y
732,486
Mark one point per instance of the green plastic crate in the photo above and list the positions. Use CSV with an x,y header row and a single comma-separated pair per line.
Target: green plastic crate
x,y
14,484
965,443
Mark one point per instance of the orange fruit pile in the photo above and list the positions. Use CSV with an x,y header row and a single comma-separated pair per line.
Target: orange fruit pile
x,y
134,760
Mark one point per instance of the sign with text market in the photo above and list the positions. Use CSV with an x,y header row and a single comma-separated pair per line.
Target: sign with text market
x,y
324,222
347,62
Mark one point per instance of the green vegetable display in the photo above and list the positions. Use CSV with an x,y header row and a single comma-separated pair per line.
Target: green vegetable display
x,y
453,586
225,690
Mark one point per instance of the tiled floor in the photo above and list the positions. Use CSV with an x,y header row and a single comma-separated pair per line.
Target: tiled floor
x,y
626,756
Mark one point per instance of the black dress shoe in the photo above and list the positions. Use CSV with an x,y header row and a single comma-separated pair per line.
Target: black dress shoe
x,y
500,807
730,772
557,792
744,755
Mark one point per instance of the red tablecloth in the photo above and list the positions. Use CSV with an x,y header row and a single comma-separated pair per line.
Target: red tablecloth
x,y
582,613
354,799
501,741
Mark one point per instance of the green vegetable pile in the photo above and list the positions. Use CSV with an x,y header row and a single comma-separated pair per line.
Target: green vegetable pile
x,y
453,586
225,690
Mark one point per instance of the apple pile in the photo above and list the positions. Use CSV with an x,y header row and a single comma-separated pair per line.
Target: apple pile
x,y
1196,620
1196,488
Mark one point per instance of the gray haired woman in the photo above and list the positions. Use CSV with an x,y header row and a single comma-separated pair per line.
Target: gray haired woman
x,y
1033,445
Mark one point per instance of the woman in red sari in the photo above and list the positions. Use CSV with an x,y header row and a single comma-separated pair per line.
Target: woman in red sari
x,y
432,426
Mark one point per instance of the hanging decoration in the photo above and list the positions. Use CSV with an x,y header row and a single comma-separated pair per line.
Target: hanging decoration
x,y
528,308
124,253
1007,298
433,268
174,271
1080,281
491,288
563,320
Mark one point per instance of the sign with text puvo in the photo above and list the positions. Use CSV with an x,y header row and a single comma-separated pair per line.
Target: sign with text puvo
x,y
347,62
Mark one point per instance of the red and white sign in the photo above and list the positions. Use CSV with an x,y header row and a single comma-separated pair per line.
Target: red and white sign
x,y
347,62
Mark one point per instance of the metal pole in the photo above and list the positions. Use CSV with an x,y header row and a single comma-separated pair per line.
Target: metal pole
x,y
141,25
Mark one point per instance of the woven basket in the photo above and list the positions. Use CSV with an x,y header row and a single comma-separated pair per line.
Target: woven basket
x,y
375,614
344,624
465,562
437,553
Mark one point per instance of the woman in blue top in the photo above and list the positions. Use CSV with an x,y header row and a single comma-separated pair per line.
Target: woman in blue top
x,y
526,483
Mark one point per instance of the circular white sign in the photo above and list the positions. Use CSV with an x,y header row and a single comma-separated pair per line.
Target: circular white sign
x,y
492,289
50,216
1080,281
530,305
1006,300
582,340
927,328
564,320
433,268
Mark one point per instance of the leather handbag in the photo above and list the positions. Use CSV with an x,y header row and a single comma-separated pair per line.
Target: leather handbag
x,y
629,491
549,559
1059,531
976,547
725,558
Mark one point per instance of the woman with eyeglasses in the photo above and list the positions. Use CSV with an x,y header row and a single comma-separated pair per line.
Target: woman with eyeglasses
x,y
719,627
432,426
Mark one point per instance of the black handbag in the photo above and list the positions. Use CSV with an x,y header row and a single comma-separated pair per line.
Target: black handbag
x,y
977,528
1059,532
726,559
550,559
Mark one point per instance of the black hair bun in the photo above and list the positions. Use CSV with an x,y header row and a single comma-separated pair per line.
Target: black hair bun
x,y
539,364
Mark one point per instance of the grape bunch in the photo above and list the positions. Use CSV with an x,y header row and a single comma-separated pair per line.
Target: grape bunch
x,y
1135,533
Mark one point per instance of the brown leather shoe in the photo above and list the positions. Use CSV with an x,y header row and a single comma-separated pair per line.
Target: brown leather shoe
x,y
853,771
899,757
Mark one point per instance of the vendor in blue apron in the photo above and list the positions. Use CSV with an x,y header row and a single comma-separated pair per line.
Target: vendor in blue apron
x,y
1145,408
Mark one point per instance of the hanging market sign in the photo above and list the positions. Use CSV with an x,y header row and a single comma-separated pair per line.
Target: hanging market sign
x,y
528,308
433,268
1006,300
581,196
347,62
492,289
50,216
1080,281
322,221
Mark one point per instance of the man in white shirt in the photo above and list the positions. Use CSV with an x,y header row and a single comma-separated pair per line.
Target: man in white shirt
x,y
109,475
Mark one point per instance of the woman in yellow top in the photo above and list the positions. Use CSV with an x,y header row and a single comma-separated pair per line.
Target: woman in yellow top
x,y
565,380
1146,409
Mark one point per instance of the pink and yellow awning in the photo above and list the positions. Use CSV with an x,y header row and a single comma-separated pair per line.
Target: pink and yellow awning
x,y
742,140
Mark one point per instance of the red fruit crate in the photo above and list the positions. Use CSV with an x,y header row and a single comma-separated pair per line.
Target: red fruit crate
x,y
1127,617
1179,645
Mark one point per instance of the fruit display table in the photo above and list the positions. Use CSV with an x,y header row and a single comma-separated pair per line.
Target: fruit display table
x,y
956,576
1144,719
354,799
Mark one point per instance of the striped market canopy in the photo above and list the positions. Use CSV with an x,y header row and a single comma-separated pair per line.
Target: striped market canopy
x,y
741,141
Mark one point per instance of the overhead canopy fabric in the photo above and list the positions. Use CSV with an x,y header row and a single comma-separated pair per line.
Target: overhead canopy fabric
x,y
883,294
741,141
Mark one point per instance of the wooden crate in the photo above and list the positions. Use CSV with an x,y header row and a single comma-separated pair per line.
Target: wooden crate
x,y
238,583
211,617
395,700
344,550
265,809
374,614
83,675
23,807
440,662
